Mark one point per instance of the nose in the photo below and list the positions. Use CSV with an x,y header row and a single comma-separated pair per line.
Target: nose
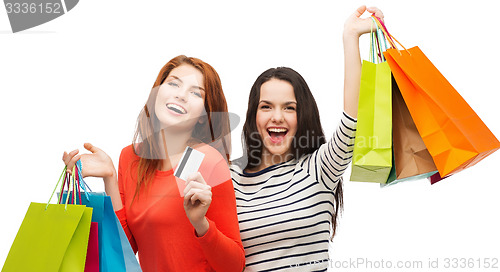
x,y
277,116
181,94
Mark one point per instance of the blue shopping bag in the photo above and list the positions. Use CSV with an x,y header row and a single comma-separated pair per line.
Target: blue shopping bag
x,y
115,252
131,263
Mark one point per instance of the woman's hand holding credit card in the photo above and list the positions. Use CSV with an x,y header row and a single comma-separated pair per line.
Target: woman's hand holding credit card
x,y
197,194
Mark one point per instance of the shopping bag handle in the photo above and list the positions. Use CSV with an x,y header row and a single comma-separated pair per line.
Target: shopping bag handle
x,y
65,181
376,39
62,187
82,182
78,183
388,36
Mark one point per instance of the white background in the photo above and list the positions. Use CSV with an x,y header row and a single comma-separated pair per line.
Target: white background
x,y
84,77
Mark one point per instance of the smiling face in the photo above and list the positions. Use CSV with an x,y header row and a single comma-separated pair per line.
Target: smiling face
x,y
180,99
276,119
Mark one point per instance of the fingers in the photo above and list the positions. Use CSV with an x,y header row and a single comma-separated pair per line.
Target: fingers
x,y
196,177
197,191
360,11
375,11
70,159
66,157
90,147
195,194
193,185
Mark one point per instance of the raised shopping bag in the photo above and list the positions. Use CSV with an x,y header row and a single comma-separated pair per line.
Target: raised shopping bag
x,y
453,133
372,157
411,158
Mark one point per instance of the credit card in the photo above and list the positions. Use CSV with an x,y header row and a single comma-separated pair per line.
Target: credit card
x,y
189,164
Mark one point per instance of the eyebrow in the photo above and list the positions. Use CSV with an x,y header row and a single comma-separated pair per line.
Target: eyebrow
x,y
269,102
177,78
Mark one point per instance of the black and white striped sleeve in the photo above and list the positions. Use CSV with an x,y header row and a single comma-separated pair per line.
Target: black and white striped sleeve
x,y
330,161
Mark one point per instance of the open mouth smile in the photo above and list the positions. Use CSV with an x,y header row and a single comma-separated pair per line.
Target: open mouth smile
x,y
176,108
277,134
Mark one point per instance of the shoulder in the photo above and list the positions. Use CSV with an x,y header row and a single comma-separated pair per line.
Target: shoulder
x,y
129,150
128,153
213,160
236,167
214,167
212,156
128,157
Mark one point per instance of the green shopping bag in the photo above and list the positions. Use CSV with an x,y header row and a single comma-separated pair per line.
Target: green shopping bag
x,y
52,237
372,157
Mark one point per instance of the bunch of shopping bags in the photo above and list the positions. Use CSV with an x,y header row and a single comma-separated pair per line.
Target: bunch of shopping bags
x,y
412,123
79,234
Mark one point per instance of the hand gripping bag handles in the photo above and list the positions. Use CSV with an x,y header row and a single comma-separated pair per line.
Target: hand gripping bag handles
x,y
372,156
453,133
52,237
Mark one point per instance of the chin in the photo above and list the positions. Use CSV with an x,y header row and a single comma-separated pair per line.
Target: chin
x,y
279,152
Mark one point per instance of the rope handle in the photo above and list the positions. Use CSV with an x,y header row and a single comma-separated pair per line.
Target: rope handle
x,y
388,36
376,44
74,182
62,187
81,183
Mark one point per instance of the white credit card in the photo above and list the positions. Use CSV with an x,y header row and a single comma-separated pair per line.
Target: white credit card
x,y
189,163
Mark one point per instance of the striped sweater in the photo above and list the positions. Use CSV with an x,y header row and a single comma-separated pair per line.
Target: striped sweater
x,y
285,210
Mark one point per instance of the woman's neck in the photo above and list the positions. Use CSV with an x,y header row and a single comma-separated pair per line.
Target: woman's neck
x,y
173,146
267,160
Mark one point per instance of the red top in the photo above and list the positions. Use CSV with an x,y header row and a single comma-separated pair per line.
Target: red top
x,y
159,230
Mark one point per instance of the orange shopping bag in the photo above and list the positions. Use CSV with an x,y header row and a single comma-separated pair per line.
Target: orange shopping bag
x,y
454,134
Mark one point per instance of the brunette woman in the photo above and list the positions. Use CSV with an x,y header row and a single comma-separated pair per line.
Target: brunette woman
x,y
289,184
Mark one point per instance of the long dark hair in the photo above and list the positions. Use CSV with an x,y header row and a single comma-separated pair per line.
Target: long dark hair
x,y
309,136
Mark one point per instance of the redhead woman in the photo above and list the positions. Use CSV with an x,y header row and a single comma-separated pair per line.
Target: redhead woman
x,y
289,183
195,232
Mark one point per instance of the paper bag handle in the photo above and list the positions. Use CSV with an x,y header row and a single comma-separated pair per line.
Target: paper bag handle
x,y
388,36
376,39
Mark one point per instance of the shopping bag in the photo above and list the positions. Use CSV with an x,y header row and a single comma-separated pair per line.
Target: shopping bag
x,y
412,160
372,155
52,237
92,260
131,263
115,252
110,248
436,177
453,133
392,175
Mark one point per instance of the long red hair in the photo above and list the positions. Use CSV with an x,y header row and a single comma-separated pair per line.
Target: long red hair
x,y
215,127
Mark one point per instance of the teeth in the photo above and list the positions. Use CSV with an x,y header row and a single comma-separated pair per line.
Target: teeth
x,y
277,130
176,107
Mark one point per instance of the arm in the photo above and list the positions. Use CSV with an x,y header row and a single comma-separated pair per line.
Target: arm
x,y
218,230
330,161
222,243
121,213
354,27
